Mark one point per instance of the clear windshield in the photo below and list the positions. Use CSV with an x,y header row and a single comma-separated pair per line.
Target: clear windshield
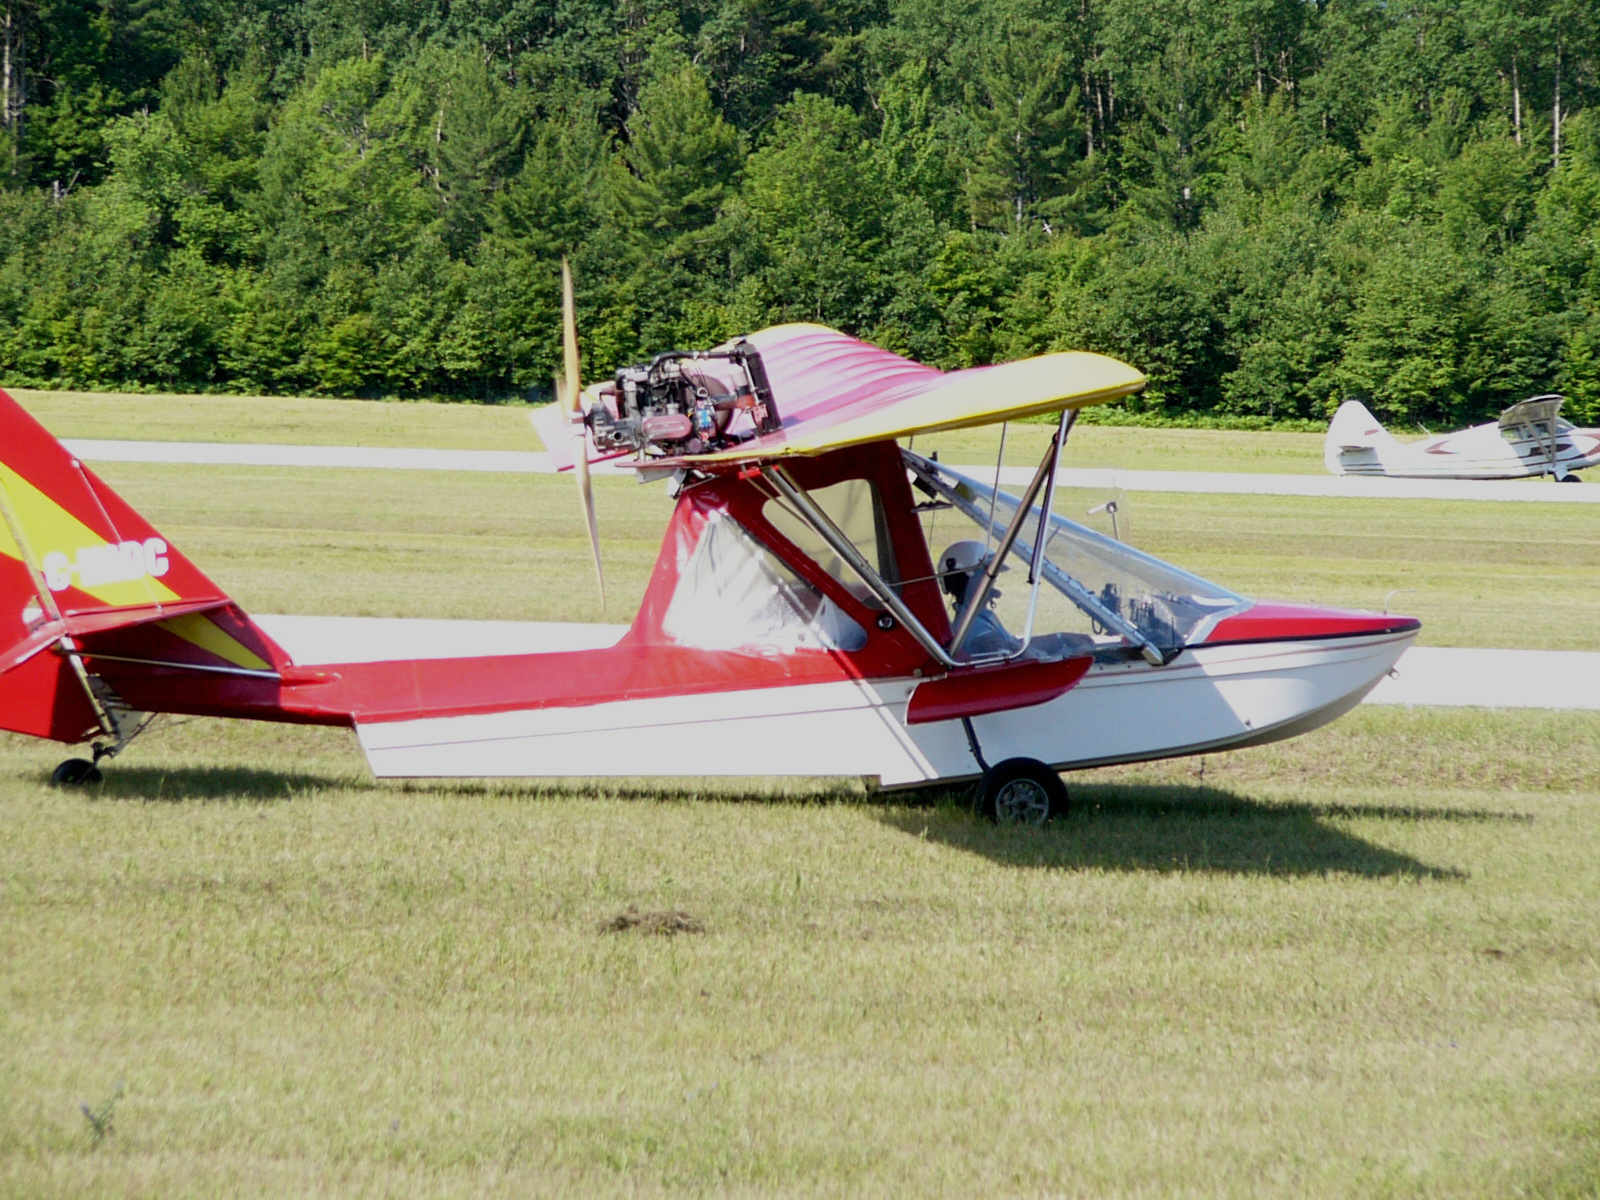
x,y
1096,585
734,595
856,508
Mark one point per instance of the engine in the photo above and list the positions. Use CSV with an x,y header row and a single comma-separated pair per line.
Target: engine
x,y
686,402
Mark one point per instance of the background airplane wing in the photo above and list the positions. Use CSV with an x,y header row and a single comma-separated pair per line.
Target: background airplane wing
x,y
1526,412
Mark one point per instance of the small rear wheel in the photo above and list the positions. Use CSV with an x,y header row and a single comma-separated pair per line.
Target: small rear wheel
x,y
76,772
1021,791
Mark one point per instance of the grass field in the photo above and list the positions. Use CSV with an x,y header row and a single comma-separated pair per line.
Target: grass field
x,y
1362,963
1478,574
1296,975
283,420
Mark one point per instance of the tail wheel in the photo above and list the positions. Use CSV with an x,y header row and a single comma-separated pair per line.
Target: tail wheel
x,y
76,772
1021,791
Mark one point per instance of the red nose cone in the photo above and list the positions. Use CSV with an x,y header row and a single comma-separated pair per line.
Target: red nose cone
x,y
1287,622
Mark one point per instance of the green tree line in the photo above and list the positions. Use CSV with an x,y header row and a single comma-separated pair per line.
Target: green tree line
x,y
1266,205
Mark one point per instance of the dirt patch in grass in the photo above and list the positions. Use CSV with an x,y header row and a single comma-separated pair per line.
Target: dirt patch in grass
x,y
661,924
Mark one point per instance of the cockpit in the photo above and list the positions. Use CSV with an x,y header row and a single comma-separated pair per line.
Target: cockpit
x,y
830,556
1096,589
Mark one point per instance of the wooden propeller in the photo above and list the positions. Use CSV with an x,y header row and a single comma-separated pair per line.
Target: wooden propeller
x,y
569,388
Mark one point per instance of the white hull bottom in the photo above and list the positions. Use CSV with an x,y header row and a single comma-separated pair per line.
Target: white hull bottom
x,y
1210,698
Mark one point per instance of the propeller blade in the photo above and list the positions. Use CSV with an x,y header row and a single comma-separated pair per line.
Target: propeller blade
x,y
580,468
570,366
569,389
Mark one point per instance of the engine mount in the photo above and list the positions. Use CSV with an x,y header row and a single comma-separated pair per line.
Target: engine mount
x,y
668,406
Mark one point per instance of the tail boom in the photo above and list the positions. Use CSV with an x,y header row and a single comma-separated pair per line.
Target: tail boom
x,y
100,614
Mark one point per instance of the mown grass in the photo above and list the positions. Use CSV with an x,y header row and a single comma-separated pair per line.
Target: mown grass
x,y
282,420
403,543
1305,975
1476,573
1137,449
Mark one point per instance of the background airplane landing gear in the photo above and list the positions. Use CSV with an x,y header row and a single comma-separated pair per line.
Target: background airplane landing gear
x,y
76,772
1021,791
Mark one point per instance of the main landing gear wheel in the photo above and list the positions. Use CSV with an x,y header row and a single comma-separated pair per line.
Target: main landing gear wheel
x,y
76,772
1571,477
1021,791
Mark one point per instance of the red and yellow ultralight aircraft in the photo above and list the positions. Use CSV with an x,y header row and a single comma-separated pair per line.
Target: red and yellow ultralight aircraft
x,y
797,621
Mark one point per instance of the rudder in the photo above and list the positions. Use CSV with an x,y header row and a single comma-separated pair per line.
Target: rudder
x,y
1355,441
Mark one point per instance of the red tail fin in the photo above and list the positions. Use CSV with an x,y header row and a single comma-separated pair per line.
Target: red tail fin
x,y
80,570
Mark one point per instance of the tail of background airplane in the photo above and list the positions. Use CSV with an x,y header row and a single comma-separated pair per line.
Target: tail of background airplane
x,y
1355,441
94,601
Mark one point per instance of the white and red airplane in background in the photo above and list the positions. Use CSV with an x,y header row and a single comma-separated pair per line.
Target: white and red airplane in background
x,y
1530,438
796,622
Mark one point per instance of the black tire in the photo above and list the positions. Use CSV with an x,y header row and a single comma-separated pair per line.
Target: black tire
x,y
1021,791
1571,477
76,772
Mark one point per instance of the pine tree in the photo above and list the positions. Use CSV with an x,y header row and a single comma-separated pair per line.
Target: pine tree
x,y
681,159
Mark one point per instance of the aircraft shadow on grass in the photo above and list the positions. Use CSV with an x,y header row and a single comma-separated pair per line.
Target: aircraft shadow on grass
x,y
1139,827
220,785
1127,827
224,784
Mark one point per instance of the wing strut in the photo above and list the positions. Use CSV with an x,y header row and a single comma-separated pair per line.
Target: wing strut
x,y
1069,418
1044,477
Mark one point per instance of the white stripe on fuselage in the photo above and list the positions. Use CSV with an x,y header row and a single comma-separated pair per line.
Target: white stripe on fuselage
x,y
842,728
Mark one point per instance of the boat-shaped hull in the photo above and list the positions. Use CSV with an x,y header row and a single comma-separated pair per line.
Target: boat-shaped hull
x,y
1211,697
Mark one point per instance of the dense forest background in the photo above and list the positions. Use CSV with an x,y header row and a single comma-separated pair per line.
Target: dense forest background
x,y
1267,205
